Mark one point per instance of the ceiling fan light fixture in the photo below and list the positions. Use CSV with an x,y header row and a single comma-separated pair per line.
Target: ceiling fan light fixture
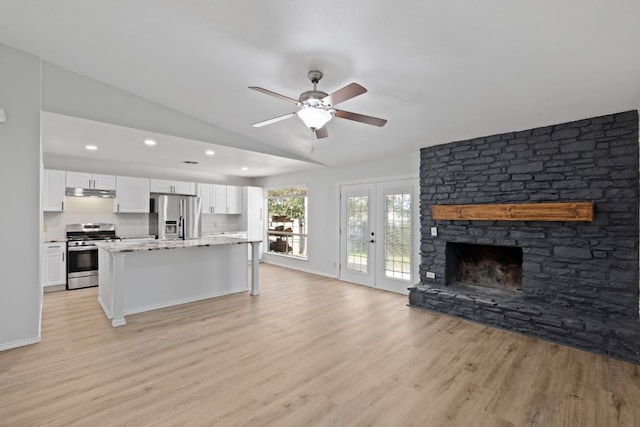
x,y
314,118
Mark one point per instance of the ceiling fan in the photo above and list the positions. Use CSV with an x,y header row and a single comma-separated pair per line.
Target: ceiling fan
x,y
316,106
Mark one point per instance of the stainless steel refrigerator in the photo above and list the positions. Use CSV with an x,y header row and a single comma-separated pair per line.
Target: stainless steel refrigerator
x,y
175,217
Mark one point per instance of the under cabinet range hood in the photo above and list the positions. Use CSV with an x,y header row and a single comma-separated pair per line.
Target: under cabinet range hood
x,y
89,192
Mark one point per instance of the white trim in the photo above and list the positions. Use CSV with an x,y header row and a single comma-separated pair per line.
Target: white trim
x,y
283,256
378,179
305,270
104,308
180,301
20,343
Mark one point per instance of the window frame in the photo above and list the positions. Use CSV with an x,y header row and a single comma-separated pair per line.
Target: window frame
x,y
292,238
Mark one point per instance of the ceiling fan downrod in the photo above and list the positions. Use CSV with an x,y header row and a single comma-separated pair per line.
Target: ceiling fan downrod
x,y
314,76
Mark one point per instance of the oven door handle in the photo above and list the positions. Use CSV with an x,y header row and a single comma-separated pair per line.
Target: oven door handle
x,y
82,248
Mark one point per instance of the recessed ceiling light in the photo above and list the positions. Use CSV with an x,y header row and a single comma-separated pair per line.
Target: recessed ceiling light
x,y
149,142
209,152
244,168
91,147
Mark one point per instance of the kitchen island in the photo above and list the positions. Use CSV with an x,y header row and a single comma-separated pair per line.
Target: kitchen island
x,y
140,276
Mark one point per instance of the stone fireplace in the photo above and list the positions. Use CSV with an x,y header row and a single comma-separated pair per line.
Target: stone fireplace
x,y
489,266
571,282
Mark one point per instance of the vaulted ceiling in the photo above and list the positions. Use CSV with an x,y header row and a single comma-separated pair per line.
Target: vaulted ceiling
x,y
438,71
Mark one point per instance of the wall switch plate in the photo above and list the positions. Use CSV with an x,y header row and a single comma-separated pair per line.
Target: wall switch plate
x,y
3,115
431,275
434,231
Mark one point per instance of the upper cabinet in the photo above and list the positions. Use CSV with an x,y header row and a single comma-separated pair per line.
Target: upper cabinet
x,y
220,199
88,180
206,199
52,190
132,195
173,187
234,199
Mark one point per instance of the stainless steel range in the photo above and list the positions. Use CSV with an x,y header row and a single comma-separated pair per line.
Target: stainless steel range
x,y
82,252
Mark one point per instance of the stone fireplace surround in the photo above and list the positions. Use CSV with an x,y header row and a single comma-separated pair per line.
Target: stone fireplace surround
x,y
579,279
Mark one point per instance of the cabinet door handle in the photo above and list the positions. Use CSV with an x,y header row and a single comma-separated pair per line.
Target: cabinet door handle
x,y
62,205
62,256
118,208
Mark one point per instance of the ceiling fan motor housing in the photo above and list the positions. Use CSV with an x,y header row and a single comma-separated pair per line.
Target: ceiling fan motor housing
x,y
313,98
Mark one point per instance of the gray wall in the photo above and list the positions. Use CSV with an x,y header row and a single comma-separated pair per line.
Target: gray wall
x,y
20,293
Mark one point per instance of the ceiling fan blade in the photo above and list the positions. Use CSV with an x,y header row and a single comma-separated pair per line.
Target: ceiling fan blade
x,y
273,120
369,120
349,91
322,132
277,95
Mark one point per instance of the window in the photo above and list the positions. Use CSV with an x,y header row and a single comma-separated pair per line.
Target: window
x,y
357,229
287,225
397,234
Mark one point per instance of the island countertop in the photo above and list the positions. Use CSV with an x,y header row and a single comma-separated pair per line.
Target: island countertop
x,y
154,245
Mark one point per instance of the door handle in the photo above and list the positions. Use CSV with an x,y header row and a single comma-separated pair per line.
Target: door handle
x,y
372,241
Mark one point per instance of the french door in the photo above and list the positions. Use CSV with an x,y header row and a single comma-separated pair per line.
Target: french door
x,y
379,234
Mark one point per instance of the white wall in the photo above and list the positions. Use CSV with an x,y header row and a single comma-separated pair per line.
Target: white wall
x,y
219,223
20,293
323,198
65,92
79,210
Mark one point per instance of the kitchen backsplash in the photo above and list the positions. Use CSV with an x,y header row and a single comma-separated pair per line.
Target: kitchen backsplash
x,y
93,209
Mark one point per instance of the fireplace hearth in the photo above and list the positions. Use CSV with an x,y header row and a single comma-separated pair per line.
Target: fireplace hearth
x,y
490,266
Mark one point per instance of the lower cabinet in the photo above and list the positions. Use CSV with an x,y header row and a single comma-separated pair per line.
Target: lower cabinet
x,y
54,266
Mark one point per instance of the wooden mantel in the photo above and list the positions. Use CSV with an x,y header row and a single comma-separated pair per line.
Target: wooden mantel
x,y
576,211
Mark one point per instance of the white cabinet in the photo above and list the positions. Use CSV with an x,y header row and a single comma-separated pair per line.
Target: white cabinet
x,y
52,190
54,265
173,187
234,199
89,180
132,195
205,192
220,199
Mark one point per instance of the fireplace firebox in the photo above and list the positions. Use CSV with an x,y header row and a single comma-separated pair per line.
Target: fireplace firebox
x,y
489,266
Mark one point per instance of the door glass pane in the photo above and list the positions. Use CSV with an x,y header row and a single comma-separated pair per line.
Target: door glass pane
x,y
397,233
357,229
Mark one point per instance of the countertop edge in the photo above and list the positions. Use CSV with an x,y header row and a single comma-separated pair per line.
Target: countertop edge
x,y
154,245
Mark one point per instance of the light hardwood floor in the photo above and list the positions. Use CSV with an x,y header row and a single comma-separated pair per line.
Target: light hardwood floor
x,y
308,351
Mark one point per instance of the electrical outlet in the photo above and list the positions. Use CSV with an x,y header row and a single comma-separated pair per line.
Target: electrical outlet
x,y
431,275
434,231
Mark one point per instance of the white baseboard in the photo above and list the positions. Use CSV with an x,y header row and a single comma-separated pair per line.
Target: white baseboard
x,y
306,270
19,343
104,308
135,310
